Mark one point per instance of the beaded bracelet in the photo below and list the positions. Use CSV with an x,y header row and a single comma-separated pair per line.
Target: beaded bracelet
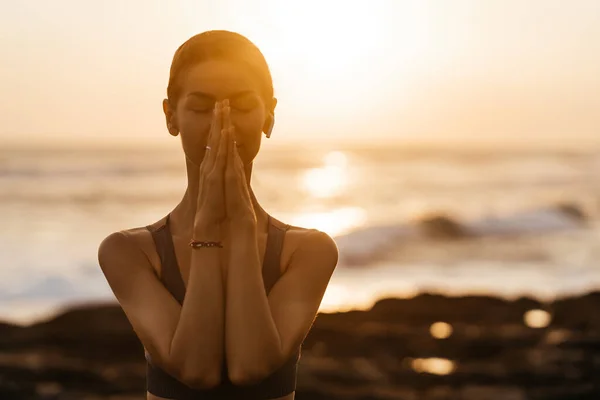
x,y
197,244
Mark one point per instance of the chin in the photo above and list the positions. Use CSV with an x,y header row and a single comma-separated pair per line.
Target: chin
x,y
248,152
195,157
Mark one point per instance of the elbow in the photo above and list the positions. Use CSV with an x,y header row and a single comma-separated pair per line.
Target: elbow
x,y
246,376
194,378
195,373
252,373
200,380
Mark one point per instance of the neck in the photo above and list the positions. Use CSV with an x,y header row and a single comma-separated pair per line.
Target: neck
x,y
182,216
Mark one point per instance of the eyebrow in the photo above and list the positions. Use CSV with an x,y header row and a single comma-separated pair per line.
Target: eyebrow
x,y
211,97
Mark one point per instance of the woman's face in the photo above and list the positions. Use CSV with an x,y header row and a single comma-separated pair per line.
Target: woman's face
x,y
201,86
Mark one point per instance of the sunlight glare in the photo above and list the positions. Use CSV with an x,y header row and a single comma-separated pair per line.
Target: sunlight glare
x,y
329,180
441,330
337,54
339,298
334,222
324,182
537,318
434,366
336,159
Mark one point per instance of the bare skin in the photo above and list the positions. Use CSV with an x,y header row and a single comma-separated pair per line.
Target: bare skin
x,y
241,316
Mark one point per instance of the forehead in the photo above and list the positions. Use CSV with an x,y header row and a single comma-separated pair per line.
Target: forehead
x,y
218,78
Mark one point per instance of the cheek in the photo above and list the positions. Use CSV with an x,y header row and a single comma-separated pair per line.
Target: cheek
x,y
248,126
194,129
195,125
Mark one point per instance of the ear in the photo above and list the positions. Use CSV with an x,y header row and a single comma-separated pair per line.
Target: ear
x,y
269,124
170,118
270,121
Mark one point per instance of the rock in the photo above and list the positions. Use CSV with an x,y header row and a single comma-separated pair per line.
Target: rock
x,y
387,352
575,312
426,309
441,227
572,210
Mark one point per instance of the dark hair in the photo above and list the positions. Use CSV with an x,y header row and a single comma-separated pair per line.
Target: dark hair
x,y
220,45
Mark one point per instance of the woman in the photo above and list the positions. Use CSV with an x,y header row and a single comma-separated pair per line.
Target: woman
x,y
252,284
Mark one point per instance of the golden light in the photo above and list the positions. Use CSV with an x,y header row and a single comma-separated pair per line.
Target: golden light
x,y
537,318
335,63
435,366
334,222
324,182
340,298
349,291
331,56
336,159
440,330
333,33
329,180
326,35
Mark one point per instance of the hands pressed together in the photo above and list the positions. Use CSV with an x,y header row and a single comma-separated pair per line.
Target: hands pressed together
x,y
223,195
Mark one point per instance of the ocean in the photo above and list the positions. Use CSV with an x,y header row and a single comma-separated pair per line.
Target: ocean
x,y
529,218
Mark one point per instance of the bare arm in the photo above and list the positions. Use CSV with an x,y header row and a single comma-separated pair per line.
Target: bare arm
x,y
262,332
185,341
198,344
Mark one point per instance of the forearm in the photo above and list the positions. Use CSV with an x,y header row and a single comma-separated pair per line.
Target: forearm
x,y
198,345
253,346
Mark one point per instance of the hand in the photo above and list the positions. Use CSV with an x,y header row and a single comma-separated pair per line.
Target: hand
x,y
237,194
210,206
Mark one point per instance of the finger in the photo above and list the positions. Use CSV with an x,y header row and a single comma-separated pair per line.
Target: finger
x,y
229,160
215,179
240,171
221,156
216,128
225,129
231,179
212,142
226,115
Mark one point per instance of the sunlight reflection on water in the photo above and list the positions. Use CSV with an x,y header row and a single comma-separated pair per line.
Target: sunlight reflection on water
x,y
435,366
328,180
537,318
334,222
441,330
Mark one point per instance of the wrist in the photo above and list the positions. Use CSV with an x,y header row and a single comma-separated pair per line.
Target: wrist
x,y
206,231
243,227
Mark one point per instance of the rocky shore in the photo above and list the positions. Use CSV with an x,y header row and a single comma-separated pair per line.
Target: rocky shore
x,y
427,347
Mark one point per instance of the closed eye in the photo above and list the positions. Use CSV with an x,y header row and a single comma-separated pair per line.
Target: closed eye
x,y
200,104
245,103
203,110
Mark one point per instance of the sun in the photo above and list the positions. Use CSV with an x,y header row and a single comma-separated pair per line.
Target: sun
x,y
327,37
334,62
341,52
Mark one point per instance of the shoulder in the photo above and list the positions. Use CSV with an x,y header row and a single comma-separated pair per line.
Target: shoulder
x,y
316,245
125,245
310,246
119,248
310,266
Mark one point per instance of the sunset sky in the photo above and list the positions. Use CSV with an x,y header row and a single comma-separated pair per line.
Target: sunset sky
x,y
453,71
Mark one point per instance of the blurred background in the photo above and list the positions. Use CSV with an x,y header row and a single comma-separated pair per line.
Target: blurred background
x,y
452,149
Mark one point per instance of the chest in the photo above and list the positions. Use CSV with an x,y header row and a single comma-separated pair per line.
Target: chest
x,y
183,253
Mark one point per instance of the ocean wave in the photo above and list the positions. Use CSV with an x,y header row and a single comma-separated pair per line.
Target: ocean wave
x,y
370,244
41,171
